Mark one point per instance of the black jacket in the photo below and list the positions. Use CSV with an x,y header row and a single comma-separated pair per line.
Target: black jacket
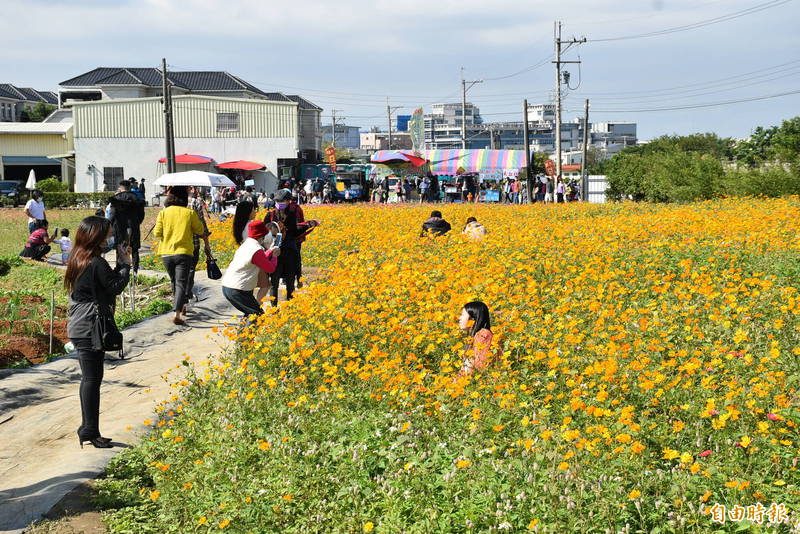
x,y
435,226
128,212
100,280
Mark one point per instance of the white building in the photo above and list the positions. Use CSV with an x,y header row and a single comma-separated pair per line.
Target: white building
x,y
122,138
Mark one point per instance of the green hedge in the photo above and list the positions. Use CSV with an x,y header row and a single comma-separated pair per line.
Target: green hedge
x,y
80,200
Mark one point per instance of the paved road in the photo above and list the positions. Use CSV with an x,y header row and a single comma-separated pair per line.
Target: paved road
x,y
40,460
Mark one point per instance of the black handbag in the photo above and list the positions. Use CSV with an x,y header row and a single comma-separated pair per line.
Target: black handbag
x,y
105,334
212,269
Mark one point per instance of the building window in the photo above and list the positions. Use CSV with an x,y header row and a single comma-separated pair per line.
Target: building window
x,y
112,176
227,122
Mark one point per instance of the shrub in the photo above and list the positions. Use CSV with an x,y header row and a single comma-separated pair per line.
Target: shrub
x,y
52,185
77,200
665,177
769,182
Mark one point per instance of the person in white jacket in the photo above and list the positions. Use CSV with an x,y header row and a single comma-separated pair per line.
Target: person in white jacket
x,y
255,254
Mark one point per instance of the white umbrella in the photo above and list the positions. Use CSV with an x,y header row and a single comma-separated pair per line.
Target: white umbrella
x,y
31,185
194,178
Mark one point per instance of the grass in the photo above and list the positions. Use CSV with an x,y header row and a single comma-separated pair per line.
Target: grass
x,y
44,280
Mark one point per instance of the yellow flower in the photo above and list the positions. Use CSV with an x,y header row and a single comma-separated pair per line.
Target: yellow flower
x,y
405,426
686,458
462,463
637,447
533,524
202,520
624,438
224,523
525,421
706,496
677,426
745,441
498,428
408,466
670,454
154,495
147,422
288,497
264,445
563,466
368,526
634,494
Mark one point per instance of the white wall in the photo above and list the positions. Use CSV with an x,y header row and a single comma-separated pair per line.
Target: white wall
x,y
139,157
113,93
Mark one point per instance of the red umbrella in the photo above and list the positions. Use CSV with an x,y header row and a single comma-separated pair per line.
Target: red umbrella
x,y
241,165
189,159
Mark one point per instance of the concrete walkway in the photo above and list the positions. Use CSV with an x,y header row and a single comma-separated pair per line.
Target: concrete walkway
x,y
40,460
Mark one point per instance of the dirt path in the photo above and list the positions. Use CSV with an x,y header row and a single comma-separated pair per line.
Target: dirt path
x,y
40,460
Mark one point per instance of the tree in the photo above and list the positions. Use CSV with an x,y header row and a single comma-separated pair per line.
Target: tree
x,y
343,155
665,177
38,113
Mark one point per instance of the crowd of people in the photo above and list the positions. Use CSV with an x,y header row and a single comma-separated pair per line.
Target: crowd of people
x,y
269,255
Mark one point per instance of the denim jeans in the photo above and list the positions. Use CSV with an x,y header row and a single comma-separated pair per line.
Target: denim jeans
x,y
178,267
242,300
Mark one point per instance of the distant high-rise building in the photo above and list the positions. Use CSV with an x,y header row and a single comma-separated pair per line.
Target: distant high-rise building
x,y
346,136
402,123
443,131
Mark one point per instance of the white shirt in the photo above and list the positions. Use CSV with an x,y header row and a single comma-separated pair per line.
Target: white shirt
x,y
65,242
36,210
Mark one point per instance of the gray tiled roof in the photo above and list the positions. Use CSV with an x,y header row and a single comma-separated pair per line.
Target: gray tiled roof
x,y
27,94
279,97
50,97
191,80
303,103
205,81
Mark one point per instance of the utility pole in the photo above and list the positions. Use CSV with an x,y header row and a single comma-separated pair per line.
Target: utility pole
x,y
527,143
584,175
169,134
558,62
464,89
333,127
389,111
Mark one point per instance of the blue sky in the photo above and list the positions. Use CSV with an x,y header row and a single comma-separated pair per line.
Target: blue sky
x,y
352,54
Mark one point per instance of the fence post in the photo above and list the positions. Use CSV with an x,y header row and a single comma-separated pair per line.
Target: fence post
x,y
52,312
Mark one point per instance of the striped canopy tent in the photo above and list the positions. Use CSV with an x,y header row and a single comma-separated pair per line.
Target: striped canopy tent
x,y
447,162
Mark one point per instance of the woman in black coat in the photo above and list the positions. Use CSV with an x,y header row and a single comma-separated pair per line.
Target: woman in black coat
x,y
289,260
93,288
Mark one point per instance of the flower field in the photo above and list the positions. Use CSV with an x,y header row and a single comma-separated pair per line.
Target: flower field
x,y
646,375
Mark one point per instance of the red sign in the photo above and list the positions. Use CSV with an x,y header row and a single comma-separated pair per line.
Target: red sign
x,y
550,167
331,153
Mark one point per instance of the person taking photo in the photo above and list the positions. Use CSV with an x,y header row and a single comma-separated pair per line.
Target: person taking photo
x,y
93,287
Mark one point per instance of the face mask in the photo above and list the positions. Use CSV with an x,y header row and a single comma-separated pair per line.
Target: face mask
x,y
281,205
109,245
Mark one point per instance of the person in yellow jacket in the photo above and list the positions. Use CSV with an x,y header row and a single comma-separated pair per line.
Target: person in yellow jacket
x,y
175,226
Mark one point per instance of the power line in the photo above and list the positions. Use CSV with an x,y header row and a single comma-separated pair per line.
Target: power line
x,y
699,24
671,108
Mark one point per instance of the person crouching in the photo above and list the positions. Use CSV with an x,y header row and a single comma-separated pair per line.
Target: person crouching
x,y
241,276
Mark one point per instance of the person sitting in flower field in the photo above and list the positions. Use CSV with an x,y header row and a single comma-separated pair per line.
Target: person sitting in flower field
x,y
435,225
475,319
250,259
473,229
